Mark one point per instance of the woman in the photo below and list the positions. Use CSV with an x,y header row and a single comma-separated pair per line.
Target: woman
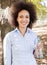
x,y
20,43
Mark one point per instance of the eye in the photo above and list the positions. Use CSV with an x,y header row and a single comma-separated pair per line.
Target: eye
x,y
21,16
27,16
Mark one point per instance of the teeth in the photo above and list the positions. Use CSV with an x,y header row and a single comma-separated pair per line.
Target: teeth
x,y
24,23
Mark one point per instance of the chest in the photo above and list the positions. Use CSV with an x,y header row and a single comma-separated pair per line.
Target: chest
x,y
22,43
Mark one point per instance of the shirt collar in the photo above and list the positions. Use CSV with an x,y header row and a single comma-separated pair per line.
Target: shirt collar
x,y
28,30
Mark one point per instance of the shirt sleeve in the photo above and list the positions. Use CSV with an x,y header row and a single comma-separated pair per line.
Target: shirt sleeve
x,y
7,50
37,40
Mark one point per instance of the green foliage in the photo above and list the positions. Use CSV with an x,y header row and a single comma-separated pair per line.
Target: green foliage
x,y
41,10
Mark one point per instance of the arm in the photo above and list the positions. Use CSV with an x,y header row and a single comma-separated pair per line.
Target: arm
x,y
38,50
7,50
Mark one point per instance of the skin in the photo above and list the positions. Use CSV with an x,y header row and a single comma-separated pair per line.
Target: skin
x,y
23,21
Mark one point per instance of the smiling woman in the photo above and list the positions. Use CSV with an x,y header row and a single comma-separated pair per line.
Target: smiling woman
x,y
19,44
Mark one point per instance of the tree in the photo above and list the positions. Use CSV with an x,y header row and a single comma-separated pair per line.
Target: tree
x,y
41,9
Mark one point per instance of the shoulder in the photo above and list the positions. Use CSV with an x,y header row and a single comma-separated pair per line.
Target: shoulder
x,y
34,34
10,34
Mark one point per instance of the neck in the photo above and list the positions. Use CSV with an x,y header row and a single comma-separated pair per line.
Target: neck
x,y
22,30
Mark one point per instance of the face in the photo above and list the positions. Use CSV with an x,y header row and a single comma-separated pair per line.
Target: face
x,y
23,18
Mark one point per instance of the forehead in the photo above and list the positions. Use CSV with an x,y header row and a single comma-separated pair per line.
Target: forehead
x,y
23,12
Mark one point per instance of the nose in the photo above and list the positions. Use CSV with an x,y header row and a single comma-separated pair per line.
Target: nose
x,y
24,19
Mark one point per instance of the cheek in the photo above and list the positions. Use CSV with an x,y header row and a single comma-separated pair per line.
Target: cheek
x,y
28,20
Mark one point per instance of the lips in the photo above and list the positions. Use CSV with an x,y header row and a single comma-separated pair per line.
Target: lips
x,y
23,23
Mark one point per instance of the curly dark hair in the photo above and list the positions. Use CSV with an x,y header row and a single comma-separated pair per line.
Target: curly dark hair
x,y
16,7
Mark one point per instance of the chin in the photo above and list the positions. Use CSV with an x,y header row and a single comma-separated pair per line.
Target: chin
x,y
24,26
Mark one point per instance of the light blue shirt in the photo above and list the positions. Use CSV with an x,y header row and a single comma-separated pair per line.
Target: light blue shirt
x,y
18,49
